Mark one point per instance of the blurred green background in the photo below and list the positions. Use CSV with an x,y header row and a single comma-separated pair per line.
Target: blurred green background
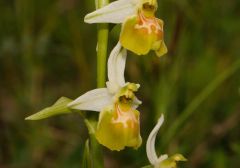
x,y
47,51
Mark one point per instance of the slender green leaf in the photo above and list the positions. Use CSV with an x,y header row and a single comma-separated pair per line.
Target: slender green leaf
x,y
95,148
60,107
87,162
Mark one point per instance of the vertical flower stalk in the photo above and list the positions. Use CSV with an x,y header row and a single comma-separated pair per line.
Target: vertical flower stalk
x,y
102,47
101,76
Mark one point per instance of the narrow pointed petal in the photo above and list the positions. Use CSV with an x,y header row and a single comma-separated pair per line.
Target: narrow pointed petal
x,y
151,153
116,65
115,12
94,100
60,107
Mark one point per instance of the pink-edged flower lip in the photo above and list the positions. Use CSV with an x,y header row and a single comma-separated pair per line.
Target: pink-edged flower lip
x,y
127,118
150,24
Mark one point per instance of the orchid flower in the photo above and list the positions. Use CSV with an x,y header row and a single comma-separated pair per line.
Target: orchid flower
x,y
141,30
118,124
163,161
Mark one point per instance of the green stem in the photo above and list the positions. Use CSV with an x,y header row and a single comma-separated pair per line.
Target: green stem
x,y
95,148
102,45
102,48
198,100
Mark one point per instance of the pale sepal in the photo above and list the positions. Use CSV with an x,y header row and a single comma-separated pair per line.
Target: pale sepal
x,y
115,12
150,147
116,66
60,107
93,100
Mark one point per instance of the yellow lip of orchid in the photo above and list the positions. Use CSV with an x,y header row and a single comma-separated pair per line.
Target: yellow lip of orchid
x,y
118,126
163,161
142,33
141,30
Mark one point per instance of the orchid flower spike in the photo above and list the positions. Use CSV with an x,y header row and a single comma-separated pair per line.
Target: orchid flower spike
x,y
141,30
118,124
163,161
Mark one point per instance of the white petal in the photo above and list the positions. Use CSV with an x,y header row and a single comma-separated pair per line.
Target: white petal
x,y
115,12
116,65
112,87
94,100
150,147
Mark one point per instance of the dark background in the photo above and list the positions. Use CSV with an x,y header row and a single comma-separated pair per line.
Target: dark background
x,y
47,51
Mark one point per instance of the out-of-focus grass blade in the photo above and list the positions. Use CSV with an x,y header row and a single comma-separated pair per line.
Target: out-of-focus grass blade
x,y
196,102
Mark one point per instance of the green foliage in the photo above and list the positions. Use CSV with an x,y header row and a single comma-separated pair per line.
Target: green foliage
x,y
60,107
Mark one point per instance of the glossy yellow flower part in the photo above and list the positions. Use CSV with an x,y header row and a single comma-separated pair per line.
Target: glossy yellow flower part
x,y
141,30
118,125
